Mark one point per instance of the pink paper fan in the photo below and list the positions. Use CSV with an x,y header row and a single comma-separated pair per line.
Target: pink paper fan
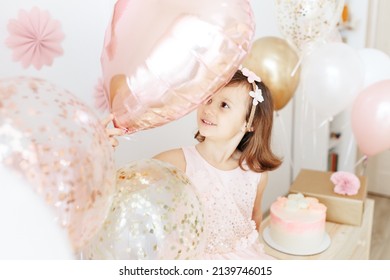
x,y
101,101
346,183
35,38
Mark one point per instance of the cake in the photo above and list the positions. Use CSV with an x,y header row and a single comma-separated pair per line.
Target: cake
x,y
297,223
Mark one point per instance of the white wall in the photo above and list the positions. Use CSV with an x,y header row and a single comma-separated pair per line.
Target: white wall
x,y
78,70
83,23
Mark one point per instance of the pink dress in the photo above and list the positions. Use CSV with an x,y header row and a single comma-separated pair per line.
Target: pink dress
x,y
228,198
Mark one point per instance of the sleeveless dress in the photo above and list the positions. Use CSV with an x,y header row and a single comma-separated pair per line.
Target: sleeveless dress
x,y
228,198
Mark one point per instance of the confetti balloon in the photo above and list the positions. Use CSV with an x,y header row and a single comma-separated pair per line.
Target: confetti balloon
x,y
156,214
62,150
305,21
161,59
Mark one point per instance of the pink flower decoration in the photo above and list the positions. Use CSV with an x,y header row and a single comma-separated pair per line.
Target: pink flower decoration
x,y
346,183
257,96
250,75
35,38
100,95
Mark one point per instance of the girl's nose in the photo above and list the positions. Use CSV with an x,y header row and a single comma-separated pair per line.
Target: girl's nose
x,y
208,107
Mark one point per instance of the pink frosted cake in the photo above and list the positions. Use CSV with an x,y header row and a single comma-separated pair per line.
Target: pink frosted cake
x,y
297,223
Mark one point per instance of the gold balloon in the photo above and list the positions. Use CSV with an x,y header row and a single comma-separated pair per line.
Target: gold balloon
x,y
274,60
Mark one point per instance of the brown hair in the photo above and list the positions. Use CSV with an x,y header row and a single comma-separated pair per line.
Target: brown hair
x,y
255,146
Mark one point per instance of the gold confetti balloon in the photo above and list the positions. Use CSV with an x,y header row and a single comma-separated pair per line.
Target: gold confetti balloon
x,y
156,214
304,22
59,146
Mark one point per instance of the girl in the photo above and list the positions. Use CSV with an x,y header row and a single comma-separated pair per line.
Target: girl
x,y
228,167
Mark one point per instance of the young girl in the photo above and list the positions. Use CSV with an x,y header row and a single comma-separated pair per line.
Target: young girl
x,y
228,167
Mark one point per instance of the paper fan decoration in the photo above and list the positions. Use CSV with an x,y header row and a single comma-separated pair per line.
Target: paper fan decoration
x,y
35,38
100,96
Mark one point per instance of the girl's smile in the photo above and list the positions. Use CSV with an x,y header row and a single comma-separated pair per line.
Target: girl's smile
x,y
206,122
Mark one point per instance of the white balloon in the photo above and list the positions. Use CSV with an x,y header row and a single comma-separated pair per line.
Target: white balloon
x,y
376,64
332,76
28,226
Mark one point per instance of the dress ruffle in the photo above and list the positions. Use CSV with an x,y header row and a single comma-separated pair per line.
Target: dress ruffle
x,y
253,252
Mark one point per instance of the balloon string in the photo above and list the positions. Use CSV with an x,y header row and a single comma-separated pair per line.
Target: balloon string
x,y
296,67
315,136
282,125
363,158
325,122
349,151
303,118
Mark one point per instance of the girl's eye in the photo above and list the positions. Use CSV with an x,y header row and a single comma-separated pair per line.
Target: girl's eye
x,y
225,105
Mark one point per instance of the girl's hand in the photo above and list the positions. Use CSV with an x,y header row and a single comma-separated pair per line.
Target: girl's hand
x,y
112,132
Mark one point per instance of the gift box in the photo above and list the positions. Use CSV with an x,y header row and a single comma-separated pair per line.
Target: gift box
x,y
343,209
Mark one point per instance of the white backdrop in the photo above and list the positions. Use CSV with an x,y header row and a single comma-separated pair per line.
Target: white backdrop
x,y
78,70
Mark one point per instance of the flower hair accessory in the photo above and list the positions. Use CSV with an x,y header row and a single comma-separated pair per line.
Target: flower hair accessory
x,y
255,93
252,77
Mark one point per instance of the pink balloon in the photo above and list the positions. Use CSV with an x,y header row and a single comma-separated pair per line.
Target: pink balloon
x,y
60,147
371,118
161,59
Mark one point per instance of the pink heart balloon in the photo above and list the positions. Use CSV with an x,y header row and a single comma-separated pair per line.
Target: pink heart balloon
x,y
371,118
161,59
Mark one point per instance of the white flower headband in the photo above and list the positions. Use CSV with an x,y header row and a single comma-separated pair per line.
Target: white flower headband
x,y
255,93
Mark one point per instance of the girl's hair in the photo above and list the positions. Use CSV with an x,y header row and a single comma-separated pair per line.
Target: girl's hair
x,y
255,146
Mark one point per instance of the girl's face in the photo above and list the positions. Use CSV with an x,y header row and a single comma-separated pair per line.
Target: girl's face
x,y
223,116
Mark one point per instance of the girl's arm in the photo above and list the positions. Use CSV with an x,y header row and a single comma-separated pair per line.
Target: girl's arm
x,y
257,214
174,157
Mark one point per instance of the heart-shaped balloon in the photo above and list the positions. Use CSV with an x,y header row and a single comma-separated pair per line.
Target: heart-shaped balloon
x,y
161,59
